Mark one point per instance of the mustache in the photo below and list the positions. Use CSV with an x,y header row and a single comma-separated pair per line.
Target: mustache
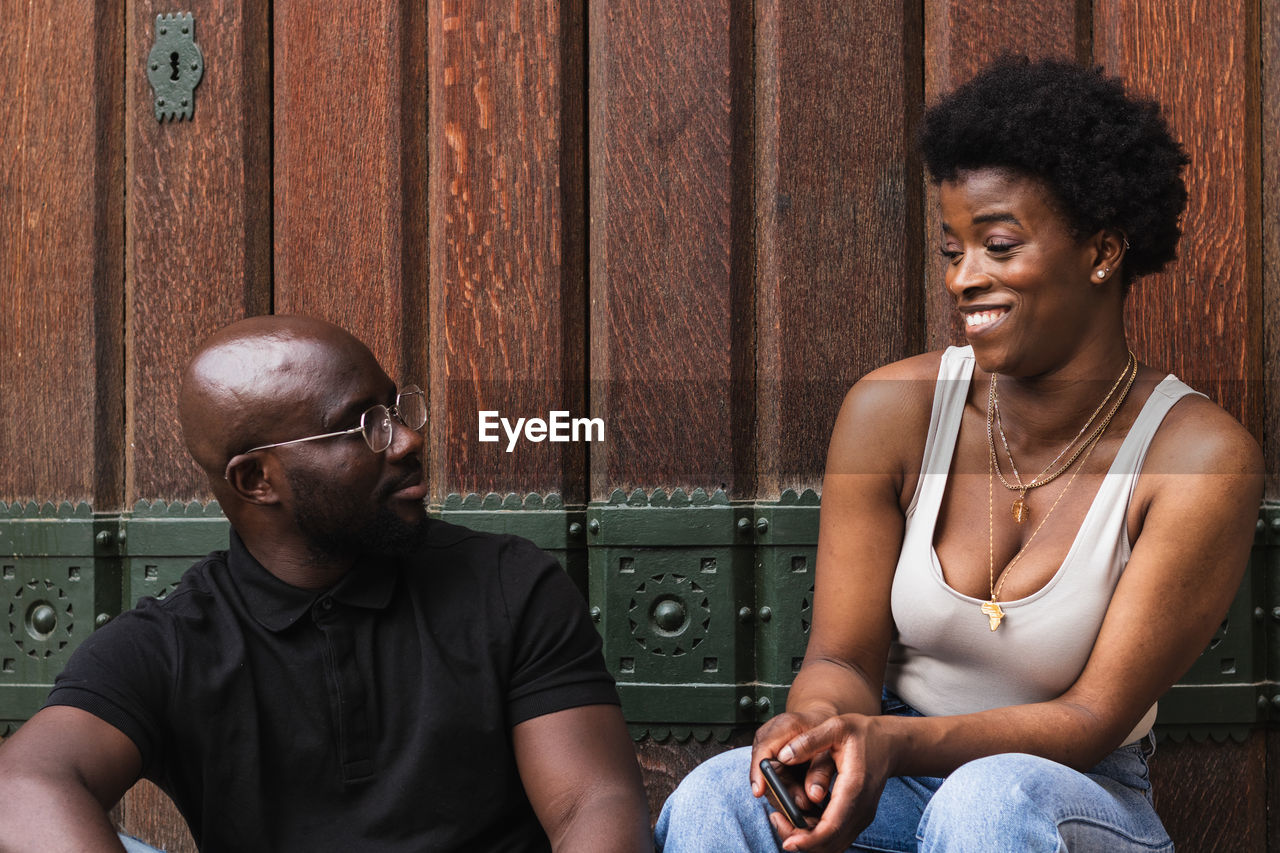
x,y
403,479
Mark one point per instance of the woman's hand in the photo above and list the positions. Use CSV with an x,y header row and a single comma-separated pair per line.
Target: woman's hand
x,y
807,784
858,750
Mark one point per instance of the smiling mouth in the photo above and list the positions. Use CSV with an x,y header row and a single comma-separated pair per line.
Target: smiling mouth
x,y
980,320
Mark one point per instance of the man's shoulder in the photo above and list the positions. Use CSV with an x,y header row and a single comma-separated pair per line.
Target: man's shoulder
x,y
447,541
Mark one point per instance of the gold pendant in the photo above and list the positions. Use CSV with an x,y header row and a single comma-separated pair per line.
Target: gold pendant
x,y
994,613
1020,510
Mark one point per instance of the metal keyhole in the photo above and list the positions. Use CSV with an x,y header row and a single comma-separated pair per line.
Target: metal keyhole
x,y
173,63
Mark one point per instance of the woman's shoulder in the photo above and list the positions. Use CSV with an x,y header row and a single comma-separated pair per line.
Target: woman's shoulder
x,y
1198,436
886,412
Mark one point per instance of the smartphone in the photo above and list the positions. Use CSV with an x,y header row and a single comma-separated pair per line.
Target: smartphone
x,y
779,796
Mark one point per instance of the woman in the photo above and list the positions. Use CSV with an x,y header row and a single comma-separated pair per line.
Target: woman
x,y
1023,542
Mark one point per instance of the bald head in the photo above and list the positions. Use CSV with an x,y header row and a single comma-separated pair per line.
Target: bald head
x,y
253,379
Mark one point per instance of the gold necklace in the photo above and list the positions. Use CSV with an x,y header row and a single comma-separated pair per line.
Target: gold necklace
x,y
1021,512
991,608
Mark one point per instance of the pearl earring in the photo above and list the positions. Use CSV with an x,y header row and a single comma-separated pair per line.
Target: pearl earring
x,y
1102,273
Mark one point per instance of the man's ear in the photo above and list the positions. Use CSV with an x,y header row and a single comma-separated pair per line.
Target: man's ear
x,y
251,479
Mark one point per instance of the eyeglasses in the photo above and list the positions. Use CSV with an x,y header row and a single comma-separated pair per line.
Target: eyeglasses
x,y
410,409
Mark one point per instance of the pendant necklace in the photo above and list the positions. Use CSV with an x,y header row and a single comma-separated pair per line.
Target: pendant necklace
x,y
991,608
1021,512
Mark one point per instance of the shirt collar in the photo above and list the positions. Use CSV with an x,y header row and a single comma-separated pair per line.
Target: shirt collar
x,y
276,605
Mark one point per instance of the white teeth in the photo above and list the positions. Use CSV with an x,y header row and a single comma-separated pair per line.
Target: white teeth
x,y
982,318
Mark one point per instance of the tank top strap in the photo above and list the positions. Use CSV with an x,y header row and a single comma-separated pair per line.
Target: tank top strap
x,y
949,396
1125,468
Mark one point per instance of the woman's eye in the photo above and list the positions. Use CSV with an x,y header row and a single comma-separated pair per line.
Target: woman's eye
x,y
998,247
950,254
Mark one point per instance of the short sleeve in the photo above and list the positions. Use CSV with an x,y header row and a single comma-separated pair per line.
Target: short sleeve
x,y
122,674
557,662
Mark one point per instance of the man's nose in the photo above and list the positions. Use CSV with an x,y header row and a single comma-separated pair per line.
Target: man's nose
x,y
404,441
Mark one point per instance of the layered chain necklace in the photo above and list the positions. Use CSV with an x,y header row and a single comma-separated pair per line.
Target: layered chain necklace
x,y
1021,512
991,608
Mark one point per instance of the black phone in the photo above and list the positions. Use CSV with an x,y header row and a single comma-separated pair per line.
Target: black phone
x,y
779,795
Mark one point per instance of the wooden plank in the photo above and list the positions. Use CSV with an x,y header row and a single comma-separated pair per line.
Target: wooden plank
x,y
61,238
148,814
198,226
670,195
1202,319
1212,796
836,171
1270,100
960,38
507,237
349,128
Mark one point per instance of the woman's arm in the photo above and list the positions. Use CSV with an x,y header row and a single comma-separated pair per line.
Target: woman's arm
x,y
872,465
1194,512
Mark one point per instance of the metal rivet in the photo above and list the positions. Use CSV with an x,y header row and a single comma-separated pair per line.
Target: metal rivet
x,y
1275,701
104,538
766,613
744,703
44,619
744,524
1275,523
575,529
1263,703
744,615
195,66
186,30
762,525
164,30
595,614
101,619
160,102
1275,613
669,615
1259,614
762,704
184,102
593,525
155,66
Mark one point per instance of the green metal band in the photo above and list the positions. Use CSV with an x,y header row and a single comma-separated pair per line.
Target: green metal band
x,y
703,603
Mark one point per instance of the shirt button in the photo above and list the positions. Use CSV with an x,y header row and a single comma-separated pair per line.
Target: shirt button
x,y
326,603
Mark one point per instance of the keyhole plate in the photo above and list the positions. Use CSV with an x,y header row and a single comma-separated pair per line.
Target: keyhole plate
x,y
175,66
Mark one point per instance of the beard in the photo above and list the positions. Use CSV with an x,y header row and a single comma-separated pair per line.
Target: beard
x,y
335,525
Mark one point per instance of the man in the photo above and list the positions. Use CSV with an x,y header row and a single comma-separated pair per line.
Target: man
x,y
349,675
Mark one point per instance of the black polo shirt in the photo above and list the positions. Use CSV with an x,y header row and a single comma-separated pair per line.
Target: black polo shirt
x,y
374,716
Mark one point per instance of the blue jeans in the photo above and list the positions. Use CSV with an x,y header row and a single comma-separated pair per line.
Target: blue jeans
x,y
1010,803
133,845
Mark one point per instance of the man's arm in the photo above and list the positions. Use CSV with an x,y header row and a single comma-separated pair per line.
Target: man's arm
x,y
579,770
59,775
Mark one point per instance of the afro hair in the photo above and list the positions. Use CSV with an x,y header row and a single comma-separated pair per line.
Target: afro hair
x,y
1109,160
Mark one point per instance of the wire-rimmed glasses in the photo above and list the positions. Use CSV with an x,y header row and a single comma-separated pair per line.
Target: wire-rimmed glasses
x,y
410,409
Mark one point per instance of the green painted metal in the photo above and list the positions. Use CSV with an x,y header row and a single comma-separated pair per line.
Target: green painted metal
x,y
175,66
47,578
703,603
159,541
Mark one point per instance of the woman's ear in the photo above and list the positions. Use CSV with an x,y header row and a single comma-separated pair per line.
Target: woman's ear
x,y
251,480
1108,253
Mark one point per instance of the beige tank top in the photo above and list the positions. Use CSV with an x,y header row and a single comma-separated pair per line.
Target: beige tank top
x,y
944,658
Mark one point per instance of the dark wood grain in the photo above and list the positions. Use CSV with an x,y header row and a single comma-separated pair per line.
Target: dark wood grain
x,y
1212,796
61,235
349,138
1270,180
960,38
837,186
507,237
198,224
670,263
1202,319
148,814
